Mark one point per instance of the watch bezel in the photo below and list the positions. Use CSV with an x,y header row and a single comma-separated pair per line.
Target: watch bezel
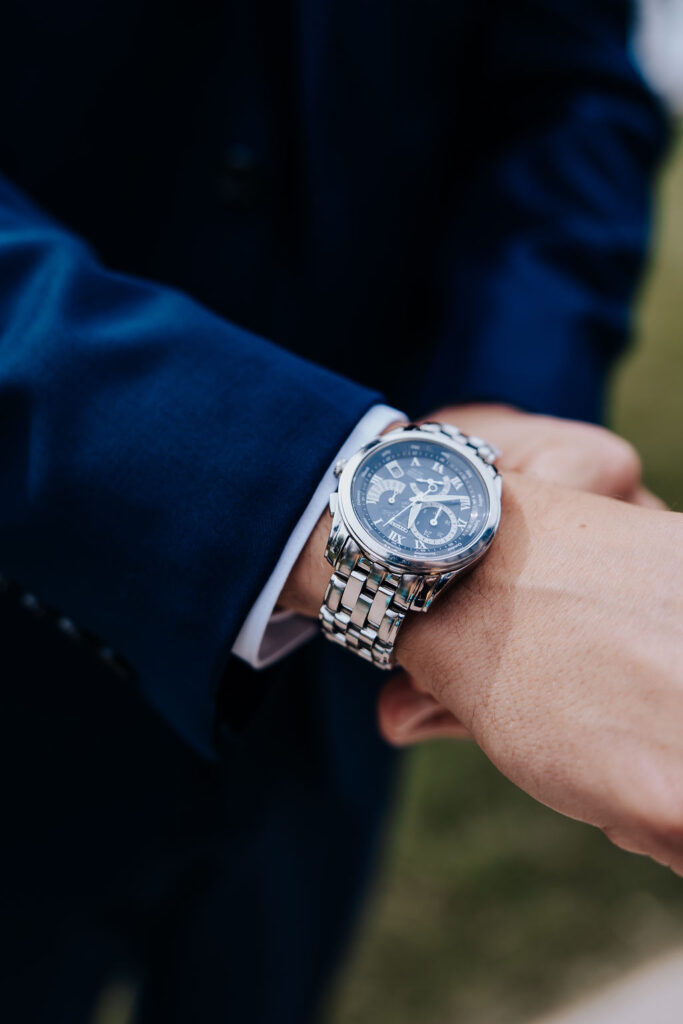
x,y
381,553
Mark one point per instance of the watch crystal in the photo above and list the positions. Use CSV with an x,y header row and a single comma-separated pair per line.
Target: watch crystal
x,y
420,499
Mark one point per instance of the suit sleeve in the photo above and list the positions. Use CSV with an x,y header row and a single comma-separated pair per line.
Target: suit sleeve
x,y
550,232
153,459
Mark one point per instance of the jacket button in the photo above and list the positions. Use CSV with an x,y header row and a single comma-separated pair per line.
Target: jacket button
x,y
238,177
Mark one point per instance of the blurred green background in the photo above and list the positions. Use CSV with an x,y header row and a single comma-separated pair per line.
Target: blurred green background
x,y
490,908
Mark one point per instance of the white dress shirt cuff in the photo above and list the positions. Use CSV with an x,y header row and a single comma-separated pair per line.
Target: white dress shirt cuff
x,y
268,635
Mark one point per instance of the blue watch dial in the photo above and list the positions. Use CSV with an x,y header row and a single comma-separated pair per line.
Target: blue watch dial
x,y
420,499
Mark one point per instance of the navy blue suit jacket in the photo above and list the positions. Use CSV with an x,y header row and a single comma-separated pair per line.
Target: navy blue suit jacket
x,y
225,230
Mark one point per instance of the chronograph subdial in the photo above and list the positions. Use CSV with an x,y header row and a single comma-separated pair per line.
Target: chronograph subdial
x,y
434,523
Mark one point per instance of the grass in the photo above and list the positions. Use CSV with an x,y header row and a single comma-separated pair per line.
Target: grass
x,y
491,908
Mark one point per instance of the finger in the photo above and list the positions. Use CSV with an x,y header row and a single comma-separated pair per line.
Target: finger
x,y
588,459
405,716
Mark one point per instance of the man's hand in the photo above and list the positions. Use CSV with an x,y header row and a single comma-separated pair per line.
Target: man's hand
x,y
580,455
562,654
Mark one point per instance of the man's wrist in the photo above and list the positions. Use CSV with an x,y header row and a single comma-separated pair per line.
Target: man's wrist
x,y
450,637
305,588
306,584
421,637
271,630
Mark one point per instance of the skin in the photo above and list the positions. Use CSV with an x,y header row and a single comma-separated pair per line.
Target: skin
x,y
561,652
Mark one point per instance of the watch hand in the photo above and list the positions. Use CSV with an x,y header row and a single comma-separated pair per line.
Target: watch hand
x,y
433,485
438,499
397,514
420,498
413,501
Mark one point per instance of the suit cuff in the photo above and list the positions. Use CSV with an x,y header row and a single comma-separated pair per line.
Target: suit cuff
x,y
267,635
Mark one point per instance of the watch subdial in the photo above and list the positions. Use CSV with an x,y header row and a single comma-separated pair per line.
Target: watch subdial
x,y
433,523
380,486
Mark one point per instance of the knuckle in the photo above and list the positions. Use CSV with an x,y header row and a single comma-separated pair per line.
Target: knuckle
x,y
616,460
573,443
620,457
388,729
626,458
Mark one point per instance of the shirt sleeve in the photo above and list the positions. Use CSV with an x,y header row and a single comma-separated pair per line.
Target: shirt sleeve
x,y
268,635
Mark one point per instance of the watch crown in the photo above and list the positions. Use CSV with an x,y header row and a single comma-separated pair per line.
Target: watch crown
x,y
339,467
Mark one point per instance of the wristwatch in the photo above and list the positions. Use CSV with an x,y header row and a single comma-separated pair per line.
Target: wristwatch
x,y
414,508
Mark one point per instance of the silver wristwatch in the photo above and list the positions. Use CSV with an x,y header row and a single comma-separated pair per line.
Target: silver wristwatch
x,y
414,508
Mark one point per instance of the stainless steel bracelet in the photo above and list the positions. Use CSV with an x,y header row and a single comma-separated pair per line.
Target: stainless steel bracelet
x,y
365,604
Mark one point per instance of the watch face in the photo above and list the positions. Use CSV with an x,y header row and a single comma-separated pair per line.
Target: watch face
x,y
420,499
